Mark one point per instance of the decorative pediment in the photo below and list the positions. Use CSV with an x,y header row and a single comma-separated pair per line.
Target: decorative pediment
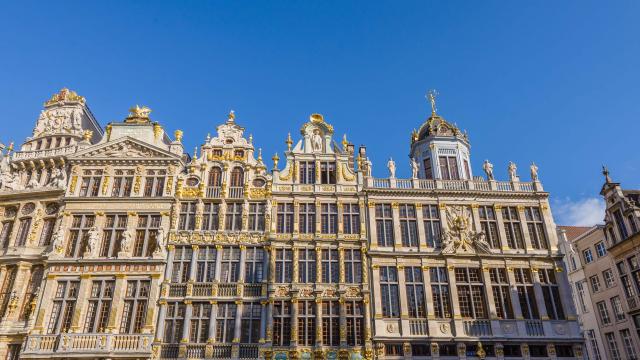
x,y
124,148
460,238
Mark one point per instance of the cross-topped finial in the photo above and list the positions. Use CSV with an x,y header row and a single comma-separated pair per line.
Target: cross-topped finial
x,y
431,96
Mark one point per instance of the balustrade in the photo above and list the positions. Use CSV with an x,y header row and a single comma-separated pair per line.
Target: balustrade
x,y
418,327
95,343
477,327
213,191
477,184
534,328
236,192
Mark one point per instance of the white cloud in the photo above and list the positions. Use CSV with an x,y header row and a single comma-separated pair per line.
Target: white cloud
x,y
583,212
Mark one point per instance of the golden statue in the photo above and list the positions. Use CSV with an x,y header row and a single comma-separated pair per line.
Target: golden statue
x,y
431,96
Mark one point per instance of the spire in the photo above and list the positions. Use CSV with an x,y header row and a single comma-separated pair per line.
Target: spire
x,y
605,172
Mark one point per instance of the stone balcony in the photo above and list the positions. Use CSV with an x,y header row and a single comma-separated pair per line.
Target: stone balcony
x,y
211,289
42,154
209,351
83,345
477,184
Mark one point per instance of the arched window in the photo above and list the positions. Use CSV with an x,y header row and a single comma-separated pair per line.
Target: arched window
x,y
237,176
215,176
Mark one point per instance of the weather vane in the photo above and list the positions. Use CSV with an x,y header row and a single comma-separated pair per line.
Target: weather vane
x,y
431,96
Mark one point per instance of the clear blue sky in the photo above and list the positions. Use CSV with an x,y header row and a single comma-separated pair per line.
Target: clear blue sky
x,y
552,82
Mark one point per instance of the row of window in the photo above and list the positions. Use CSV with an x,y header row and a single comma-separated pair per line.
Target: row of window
x,y
623,231
328,218
91,183
629,272
471,350
24,228
511,223
471,294
603,311
627,342
113,233
6,290
99,306
233,216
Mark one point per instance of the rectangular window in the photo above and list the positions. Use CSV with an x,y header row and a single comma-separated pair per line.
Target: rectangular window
x,y
136,299
428,171
284,265
501,293
200,318
330,266
181,268
601,249
233,217
13,351
97,317
146,233
593,344
253,265
211,216
187,220
154,183
470,293
122,183
355,322
23,231
440,292
284,218
330,323
617,215
327,172
389,290
250,325
609,281
616,305
467,170
7,288
595,283
431,221
114,228
281,323
384,225
581,296
226,322
64,303
174,322
415,291
306,323
489,225
5,234
90,183
353,266
629,348
526,294
449,168
206,265
351,218
329,218
47,231
588,256
307,172
307,218
536,228
612,344
408,225
256,217
79,234
230,264
307,265
512,227
551,294
33,287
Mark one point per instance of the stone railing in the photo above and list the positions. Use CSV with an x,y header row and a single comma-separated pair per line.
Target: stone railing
x,y
27,155
213,191
477,327
418,327
476,184
39,345
236,192
209,351
534,328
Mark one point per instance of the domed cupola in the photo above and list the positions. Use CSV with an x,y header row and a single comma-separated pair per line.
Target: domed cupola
x,y
440,148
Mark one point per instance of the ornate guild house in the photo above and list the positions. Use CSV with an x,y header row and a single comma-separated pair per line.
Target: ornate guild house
x,y
117,244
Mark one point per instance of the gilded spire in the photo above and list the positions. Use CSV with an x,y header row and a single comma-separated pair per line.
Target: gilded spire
x,y
289,142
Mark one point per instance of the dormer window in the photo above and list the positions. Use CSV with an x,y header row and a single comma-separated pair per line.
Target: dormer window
x,y
327,172
428,171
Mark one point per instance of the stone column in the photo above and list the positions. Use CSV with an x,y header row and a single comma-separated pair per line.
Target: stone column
x,y
213,322
564,288
319,321
377,297
218,262
162,313
263,321
296,218
119,289
79,311
154,293
171,253
340,212
238,322
242,271
397,233
513,291
294,322
269,329
537,288
187,322
296,271
272,265
491,303
45,304
341,265
367,319
549,226
318,218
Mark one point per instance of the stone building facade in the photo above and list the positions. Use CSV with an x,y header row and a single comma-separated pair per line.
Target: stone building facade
x,y
152,253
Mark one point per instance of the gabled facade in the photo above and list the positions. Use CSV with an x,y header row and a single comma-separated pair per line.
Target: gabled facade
x,y
214,297
32,181
106,260
319,277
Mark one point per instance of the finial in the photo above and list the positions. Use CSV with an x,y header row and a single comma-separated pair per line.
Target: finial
x,y
275,159
208,137
178,135
10,148
260,154
251,139
605,172
414,136
195,152
344,142
289,142
87,134
138,115
232,115
431,96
